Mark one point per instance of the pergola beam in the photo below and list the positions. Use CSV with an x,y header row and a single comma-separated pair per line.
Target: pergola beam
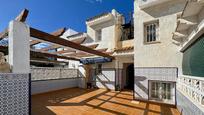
x,y
34,42
49,48
55,46
58,33
72,50
46,54
80,53
93,46
39,60
4,34
53,39
21,18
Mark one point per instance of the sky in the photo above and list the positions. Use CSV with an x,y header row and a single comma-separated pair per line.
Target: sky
x,y
50,15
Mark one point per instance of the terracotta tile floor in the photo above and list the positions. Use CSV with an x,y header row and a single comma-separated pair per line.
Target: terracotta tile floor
x,y
77,101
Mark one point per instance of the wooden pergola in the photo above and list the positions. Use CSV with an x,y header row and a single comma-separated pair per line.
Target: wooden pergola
x,y
72,49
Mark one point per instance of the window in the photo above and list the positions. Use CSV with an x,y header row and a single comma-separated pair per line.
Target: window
x,y
151,32
98,35
162,91
127,32
99,69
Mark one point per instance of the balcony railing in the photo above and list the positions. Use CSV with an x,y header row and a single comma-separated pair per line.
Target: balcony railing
x,y
193,88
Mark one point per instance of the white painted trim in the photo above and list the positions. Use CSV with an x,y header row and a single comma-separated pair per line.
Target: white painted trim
x,y
193,77
100,20
195,34
151,3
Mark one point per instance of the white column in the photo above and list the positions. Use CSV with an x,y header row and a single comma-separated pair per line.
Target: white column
x,y
19,47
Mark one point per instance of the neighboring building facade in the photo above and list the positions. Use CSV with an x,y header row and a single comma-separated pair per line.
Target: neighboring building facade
x,y
110,31
107,31
169,64
111,35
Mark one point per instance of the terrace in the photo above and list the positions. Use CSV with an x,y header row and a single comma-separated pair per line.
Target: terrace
x,y
77,101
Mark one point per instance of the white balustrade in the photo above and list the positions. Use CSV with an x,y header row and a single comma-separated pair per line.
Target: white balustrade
x,y
192,87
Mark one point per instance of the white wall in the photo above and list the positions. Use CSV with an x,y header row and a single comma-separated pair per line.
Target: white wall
x,y
52,85
110,30
106,79
165,53
19,48
108,35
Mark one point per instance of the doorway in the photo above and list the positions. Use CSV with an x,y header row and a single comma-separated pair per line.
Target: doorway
x,y
130,77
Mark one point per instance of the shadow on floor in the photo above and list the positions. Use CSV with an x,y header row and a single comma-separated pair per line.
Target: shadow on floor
x,y
77,101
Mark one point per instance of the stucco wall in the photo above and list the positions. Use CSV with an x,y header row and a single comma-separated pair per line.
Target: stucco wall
x,y
106,79
111,32
108,35
162,54
52,85
112,73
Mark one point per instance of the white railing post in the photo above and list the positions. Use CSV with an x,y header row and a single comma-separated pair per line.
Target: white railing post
x,y
19,47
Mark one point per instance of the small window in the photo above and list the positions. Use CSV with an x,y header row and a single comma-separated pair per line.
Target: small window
x,y
98,35
161,90
151,32
99,69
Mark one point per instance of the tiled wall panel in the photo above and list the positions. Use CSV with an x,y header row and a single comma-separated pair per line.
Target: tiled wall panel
x,y
186,106
14,94
53,73
144,74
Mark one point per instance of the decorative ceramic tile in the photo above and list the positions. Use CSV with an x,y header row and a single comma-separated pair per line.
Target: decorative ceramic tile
x,y
186,106
14,94
52,73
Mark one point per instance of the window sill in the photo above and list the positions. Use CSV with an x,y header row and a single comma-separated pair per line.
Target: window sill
x,y
154,42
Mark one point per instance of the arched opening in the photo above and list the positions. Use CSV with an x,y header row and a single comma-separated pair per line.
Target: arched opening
x,y
130,77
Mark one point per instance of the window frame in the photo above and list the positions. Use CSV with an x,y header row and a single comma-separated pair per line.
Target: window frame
x,y
172,90
148,24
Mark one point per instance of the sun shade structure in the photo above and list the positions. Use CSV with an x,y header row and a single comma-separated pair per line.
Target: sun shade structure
x,y
73,49
66,43
95,60
21,18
